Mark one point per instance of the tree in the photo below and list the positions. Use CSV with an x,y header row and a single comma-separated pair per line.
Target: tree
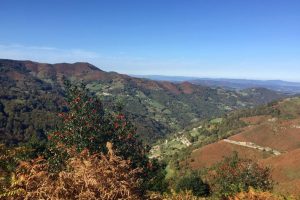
x,y
87,125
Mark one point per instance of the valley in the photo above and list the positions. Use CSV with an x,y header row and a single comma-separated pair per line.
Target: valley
x,y
271,138
188,126
150,100
26,87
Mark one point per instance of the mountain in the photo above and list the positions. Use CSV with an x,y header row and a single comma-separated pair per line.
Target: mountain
x,y
239,84
27,104
166,78
236,84
267,134
32,93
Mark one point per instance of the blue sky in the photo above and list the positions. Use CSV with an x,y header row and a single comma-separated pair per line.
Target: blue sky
x,y
254,39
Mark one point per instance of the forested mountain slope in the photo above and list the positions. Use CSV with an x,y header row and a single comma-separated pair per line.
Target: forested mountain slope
x,y
31,95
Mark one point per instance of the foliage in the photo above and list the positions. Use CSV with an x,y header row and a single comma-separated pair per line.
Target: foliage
x,y
268,109
193,182
9,159
233,175
156,172
27,104
36,147
257,195
87,176
87,125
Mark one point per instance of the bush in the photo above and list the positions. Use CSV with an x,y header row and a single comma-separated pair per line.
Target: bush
x,y
193,182
233,175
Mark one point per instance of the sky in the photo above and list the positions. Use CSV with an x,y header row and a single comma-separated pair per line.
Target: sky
x,y
251,39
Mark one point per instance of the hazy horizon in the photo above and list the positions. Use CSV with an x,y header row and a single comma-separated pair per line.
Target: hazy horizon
x,y
257,40
162,75
220,78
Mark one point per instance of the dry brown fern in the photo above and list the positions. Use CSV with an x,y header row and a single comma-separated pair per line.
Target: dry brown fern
x,y
86,177
9,158
184,195
256,195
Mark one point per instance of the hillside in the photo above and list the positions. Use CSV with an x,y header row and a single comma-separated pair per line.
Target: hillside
x,y
31,95
270,137
27,104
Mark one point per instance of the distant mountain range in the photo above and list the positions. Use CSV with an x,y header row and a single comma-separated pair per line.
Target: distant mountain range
x,y
31,93
239,84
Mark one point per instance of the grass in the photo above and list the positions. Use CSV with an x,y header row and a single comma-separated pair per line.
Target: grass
x,y
170,172
216,120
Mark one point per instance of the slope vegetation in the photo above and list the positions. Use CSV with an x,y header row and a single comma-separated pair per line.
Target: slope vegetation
x,y
272,140
31,93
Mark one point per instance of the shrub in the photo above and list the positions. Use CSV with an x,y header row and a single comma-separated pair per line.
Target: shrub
x,y
233,175
193,182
